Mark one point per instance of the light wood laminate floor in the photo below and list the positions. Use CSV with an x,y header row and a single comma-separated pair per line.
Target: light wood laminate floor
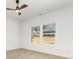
x,y
28,54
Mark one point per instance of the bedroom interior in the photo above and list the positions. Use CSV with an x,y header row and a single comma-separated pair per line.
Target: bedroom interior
x,y
39,29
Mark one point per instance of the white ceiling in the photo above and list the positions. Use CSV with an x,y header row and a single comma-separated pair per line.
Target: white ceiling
x,y
36,7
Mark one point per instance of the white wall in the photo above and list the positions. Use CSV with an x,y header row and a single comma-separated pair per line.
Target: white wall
x,y
63,19
13,34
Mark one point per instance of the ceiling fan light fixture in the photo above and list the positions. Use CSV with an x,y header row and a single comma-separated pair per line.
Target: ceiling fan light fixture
x,y
17,11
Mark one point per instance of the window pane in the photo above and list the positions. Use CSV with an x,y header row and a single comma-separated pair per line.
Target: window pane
x,y
49,34
35,34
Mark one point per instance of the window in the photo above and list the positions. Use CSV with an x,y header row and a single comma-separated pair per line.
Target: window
x,y
48,32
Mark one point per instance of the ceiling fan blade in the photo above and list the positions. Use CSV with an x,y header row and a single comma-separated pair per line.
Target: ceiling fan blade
x,y
10,9
23,6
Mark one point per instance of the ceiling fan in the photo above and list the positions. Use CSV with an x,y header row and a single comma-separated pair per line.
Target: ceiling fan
x,y
17,9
